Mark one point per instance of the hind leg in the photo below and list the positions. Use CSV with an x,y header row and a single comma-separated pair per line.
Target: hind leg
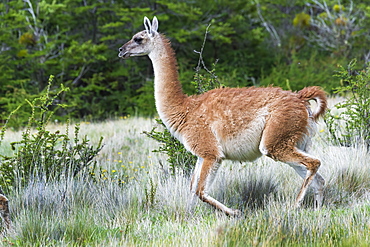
x,y
305,165
317,183
310,164
284,137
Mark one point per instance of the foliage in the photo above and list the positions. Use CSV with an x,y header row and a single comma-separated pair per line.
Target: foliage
x,y
302,72
336,28
150,195
209,80
301,20
77,41
349,123
313,31
45,154
119,177
177,156
72,40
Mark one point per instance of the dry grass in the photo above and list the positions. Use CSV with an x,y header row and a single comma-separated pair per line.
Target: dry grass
x,y
151,207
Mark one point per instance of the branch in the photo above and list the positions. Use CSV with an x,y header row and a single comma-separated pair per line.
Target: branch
x,y
268,27
201,61
84,69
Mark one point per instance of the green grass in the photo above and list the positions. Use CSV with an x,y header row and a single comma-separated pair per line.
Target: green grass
x,y
151,207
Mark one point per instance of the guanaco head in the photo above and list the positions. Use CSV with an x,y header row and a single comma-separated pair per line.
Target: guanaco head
x,y
141,43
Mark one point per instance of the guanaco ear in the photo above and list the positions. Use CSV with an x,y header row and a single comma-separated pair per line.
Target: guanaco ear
x,y
151,29
147,24
155,24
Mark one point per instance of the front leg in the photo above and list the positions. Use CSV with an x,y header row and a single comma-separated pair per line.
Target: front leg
x,y
194,183
207,175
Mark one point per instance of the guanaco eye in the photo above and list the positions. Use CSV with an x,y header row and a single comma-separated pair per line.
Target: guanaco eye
x,y
138,40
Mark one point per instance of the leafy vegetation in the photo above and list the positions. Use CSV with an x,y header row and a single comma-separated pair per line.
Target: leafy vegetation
x,y
349,121
180,159
256,42
44,154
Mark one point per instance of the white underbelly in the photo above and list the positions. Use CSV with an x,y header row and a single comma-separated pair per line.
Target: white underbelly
x,y
244,145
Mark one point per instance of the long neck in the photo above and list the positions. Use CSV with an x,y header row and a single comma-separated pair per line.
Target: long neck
x,y
169,97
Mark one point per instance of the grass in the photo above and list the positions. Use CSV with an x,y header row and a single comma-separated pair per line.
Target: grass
x,y
139,203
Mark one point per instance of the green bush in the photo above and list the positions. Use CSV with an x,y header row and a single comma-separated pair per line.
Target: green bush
x,y
349,121
44,154
177,156
303,72
77,41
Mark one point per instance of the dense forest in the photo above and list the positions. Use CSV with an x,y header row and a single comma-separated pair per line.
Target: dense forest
x,y
290,44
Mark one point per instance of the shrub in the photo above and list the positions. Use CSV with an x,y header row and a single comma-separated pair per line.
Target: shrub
x,y
351,124
177,156
337,29
44,154
302,72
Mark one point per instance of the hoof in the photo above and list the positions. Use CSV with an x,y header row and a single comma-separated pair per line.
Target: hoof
x,y
234,213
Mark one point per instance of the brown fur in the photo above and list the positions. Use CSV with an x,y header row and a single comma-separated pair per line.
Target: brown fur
x,y
312,93
232,123
4,211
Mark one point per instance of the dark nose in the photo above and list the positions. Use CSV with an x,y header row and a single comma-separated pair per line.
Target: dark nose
x,y
120,49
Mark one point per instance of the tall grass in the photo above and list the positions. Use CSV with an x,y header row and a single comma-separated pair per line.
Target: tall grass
x,y
151,206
